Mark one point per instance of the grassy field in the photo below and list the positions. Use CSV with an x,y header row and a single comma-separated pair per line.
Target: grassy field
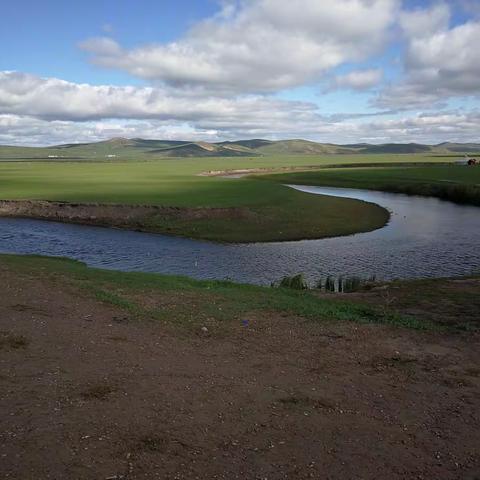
x,y
269,211
456,183
274,212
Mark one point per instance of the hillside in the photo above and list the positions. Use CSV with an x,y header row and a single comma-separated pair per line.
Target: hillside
x,y
125,148
301,147
203,149
399,148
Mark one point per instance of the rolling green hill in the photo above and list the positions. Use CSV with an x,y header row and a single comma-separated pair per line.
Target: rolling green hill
x,y
301,147
397,148
203,149
138,148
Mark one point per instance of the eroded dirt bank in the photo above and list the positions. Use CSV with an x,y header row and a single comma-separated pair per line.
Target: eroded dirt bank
x,y
147,218
88,391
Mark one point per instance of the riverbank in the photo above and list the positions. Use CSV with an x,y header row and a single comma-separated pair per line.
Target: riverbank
x,y
300,217
117,375
459,184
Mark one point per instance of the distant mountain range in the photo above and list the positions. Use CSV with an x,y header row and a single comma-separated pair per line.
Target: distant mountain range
x,y
125,147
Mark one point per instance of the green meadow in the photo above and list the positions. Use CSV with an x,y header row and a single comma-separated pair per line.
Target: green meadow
x,y
456,183
272,211
174,182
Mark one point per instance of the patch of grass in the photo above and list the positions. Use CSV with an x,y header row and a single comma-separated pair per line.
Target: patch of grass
x,y
219,301
297,282
114,299
343,284
13,341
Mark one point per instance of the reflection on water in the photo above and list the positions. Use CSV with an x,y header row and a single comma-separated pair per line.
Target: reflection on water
x,y
426,237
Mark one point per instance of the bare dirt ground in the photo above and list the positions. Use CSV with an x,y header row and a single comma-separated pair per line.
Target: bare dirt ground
x,y
88,393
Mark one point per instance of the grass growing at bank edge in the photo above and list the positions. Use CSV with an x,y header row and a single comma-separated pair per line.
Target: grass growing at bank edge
x,y
191,303
460,184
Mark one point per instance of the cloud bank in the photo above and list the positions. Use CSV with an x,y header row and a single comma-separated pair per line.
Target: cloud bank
x,y
227,76
258,46
440,62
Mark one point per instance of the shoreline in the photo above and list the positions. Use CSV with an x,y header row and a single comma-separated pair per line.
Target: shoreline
x,y
158,219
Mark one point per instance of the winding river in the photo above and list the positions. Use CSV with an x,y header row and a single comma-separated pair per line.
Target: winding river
x,y
425,237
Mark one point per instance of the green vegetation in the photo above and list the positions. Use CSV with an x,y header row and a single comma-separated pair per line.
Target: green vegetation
x,y
262,208
268,211
191,303
296,282
344,284
456,183
138,148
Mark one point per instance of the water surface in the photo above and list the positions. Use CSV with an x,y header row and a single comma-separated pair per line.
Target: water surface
x,y
425,237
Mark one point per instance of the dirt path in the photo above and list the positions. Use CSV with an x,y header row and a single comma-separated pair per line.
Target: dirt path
x,y
88,393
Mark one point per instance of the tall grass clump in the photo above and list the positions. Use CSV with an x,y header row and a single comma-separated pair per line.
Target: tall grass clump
x,y
328,285
296,282
344,284
331,284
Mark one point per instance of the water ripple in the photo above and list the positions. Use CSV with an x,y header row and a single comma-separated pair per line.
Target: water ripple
x,y
426,237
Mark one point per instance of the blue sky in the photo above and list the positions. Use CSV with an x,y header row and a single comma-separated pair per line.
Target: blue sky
x,y
44,40
336,71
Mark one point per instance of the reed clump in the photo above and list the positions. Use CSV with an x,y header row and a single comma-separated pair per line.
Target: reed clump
x,y
295,282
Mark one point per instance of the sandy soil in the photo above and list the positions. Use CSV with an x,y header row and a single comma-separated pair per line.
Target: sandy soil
x,y
89,393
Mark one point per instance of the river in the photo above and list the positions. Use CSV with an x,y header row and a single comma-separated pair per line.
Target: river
x,y
426,237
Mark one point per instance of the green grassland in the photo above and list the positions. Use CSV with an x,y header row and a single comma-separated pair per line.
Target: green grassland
x,y
137,147
172,182
273,211
450,182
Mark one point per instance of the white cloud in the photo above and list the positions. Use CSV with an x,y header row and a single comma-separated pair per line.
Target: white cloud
x,y
55,99
108,28
472,7
359,79
103,46
218,81
425,22
431,128
422,128
259,45
440,62
28,131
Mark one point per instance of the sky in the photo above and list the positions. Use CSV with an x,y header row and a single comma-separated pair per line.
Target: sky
x,y
337,71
